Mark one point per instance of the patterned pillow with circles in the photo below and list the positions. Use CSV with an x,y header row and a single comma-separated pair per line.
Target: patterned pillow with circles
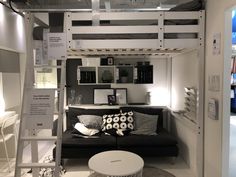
x,y
123,121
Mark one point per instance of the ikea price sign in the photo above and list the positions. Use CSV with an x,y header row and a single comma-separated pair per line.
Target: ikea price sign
x,y
40,108
56,46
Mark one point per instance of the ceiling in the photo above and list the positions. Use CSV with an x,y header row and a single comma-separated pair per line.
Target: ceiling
x,y
104,4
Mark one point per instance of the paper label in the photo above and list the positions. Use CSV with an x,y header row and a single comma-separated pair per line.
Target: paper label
x,y
40,108
57,46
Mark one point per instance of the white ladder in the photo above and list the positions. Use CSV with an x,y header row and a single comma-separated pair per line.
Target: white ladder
x,y
33,138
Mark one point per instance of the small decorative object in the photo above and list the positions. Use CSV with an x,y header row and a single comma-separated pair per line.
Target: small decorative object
x,y
72,98
123,75
79,99
121,95
107,76
100,95
111,99
147,63
148,98
110,60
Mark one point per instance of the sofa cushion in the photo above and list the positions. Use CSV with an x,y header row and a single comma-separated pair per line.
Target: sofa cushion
x,y
84,130
74,112
91,121
150,111
122,121
68,140
145,124
162,139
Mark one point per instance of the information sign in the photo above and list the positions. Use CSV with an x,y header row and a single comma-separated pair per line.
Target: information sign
x,y
57,46
41,108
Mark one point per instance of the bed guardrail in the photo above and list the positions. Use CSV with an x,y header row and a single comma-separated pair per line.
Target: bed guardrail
x,y
134,30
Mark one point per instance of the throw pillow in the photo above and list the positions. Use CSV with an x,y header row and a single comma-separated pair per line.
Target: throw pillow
x,y
84,130
145,124
122,121
91,121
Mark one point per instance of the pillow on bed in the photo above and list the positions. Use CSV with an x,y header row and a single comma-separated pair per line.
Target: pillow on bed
x,y
122,121
91,121
144,124
84,130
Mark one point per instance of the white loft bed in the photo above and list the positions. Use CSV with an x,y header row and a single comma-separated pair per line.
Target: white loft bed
x,y
175,34
128,33
160,46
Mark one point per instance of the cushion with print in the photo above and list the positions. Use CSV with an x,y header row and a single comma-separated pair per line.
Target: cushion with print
x,y
123,121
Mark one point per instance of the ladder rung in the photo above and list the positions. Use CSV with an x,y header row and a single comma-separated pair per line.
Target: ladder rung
x,y
58,89
38,138
59,67
37,165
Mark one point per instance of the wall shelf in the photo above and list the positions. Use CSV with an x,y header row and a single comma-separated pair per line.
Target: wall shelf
x,y
115,74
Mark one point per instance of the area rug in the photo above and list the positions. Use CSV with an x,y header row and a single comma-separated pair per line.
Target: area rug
x,y
147,172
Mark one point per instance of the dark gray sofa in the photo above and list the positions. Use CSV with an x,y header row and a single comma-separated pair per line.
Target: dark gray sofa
x,y
162,144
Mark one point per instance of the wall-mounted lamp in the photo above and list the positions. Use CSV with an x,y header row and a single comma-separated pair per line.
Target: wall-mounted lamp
x,y
158,96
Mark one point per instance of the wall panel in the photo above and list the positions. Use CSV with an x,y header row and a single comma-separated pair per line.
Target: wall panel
x,y
184,74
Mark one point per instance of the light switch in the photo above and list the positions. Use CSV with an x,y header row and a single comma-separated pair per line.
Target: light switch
x,y
213,109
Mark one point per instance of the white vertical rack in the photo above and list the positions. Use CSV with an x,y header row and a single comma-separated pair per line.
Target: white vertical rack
x,y
190,103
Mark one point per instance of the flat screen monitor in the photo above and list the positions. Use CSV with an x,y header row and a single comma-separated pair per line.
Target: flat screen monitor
x,y
100,96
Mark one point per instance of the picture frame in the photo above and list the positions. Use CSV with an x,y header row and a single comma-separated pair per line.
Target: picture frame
x,y
110,61
100,95
111,99
121,96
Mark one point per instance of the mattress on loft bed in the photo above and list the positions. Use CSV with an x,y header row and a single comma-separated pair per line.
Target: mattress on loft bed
x,y
195,5
133,36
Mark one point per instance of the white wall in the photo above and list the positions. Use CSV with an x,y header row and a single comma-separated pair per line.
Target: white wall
x,y
12,38
12,30
187,142
11,90
215,23
184,74
159,88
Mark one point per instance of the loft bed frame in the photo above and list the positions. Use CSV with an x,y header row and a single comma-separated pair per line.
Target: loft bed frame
x,y
169,33
83,41
134,33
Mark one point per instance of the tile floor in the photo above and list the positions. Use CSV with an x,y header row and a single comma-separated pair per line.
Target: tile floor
x,y
44,149
79,167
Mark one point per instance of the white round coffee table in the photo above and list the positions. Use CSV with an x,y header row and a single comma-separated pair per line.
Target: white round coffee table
x,y
117,163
